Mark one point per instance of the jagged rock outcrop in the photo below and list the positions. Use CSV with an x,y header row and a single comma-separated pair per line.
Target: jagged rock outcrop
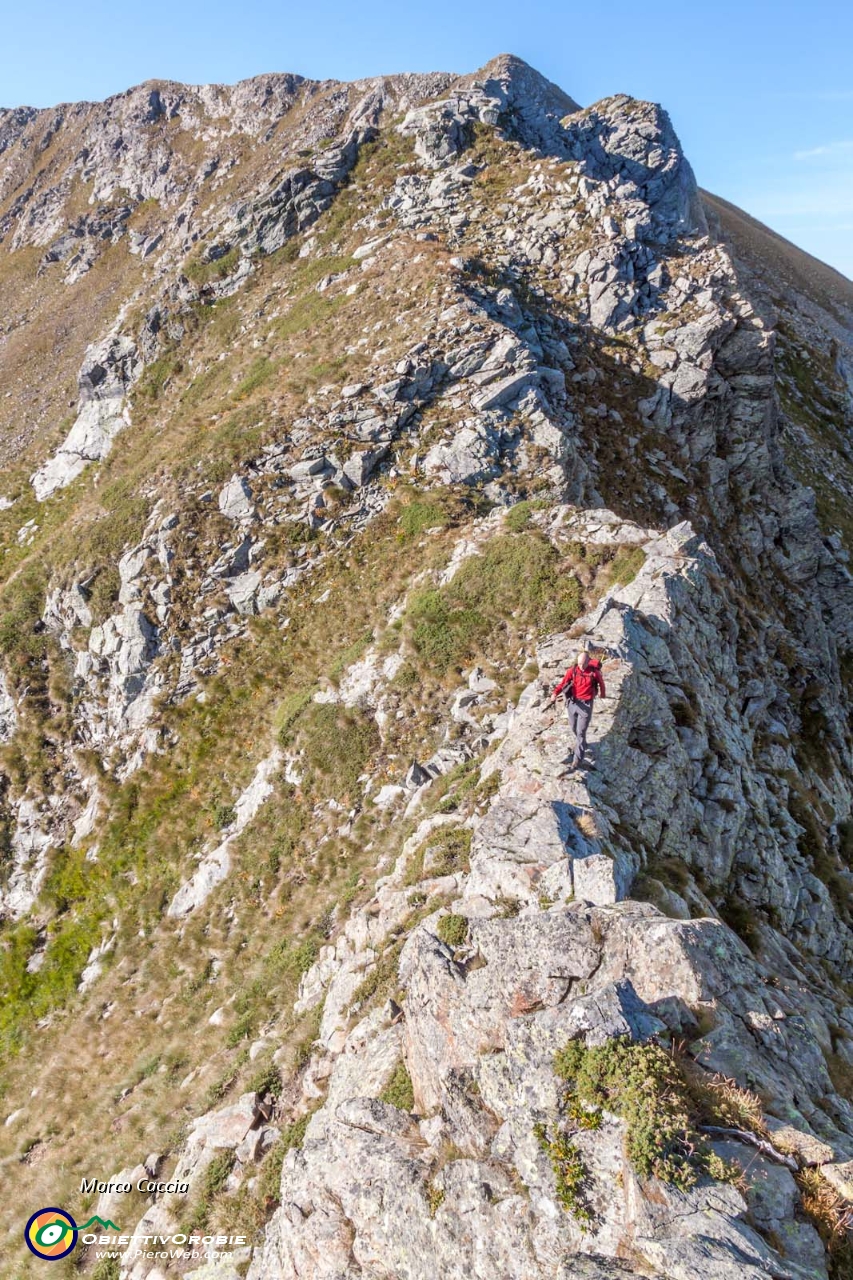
x,y
108,371
379,360
481,1025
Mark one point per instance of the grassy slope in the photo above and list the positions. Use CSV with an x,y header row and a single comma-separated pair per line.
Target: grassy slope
x,y
144,1029
145,1026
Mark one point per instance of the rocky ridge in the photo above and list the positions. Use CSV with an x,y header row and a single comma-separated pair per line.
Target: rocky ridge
x,y
483,1021
587,337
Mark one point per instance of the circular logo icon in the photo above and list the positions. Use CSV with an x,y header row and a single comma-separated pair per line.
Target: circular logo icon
x,y
50,1233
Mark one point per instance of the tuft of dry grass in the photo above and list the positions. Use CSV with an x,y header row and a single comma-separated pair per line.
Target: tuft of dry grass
x,y
587,823
832,1216
723,1101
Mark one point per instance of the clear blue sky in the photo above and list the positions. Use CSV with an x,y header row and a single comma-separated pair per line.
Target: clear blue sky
x,y
761,93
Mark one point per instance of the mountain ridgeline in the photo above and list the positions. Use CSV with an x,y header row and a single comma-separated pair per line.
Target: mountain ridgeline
x,y
334,419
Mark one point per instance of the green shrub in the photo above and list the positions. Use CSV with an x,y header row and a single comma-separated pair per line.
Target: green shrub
x,y
449,849
103,593
570,1173
519,574
582,1115
398,1092
213,1181
308,1039
453,930
71,940
289,712
217,1173
286,960
518,517
67,880
16,983
442,635
488,787
381,979
304,954
645,1085
407,678
591,554
267,1079
21,635
294,958
223,815
157,375
462,784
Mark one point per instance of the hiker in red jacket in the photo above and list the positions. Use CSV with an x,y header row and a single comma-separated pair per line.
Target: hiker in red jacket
x,y
579,686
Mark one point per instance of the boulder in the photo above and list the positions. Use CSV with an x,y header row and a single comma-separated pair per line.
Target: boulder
x,y
308,467
840,1178
359,467
228,1127
504,391
601,879
469,457
243,591
235,499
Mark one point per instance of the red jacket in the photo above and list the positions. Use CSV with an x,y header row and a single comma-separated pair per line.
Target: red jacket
x,y
582,685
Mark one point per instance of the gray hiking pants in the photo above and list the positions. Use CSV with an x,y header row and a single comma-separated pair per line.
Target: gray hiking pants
x,y
579,715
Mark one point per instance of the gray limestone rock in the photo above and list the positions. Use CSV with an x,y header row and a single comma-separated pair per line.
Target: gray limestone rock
x,y
109,369
243,591
360,466
722,757
601,879
504,391
469,457
228,1127
235,499
521,828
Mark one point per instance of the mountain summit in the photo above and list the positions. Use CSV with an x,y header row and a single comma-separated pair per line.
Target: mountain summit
x,y
336,419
